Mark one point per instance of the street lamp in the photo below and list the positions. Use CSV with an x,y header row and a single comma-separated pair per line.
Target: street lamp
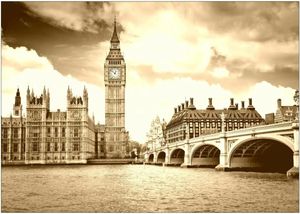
x,y
296,99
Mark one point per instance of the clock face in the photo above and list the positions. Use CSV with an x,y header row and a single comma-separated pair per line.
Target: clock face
x,y
114,73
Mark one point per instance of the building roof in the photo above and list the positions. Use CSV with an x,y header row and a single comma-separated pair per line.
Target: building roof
x,y
188,114
115,37
288,112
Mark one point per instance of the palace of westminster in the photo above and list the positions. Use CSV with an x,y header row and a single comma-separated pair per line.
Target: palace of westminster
x,y
45,137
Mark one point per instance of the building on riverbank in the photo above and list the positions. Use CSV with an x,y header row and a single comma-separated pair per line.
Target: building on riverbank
x,y
13,134
187,120
156,134
45,137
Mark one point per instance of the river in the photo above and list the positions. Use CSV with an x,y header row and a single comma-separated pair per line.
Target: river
x,y
144,188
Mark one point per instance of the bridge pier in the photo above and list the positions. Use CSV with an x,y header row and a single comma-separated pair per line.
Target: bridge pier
x,y
294,171
146,157
223,161
155,158
167,159
187,160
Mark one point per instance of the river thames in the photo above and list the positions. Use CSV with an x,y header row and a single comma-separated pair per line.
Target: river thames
x,y
144,188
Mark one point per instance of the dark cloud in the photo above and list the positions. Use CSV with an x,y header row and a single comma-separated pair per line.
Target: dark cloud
x,y
253,21
67,49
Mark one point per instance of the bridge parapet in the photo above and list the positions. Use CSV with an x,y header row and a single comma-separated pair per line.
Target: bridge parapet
x,y
261,129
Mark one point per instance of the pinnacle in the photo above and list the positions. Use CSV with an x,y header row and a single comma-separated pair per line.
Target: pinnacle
x,y
114,37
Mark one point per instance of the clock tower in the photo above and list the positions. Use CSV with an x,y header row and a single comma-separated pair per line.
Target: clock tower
x,y
116,136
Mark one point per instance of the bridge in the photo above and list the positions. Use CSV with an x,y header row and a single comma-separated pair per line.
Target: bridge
x,y
273,147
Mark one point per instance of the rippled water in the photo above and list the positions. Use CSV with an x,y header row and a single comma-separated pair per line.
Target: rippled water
x,y
144,188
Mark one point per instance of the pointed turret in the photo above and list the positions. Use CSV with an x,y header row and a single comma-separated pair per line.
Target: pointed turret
x,y
44,92
115,38
18,98
17,106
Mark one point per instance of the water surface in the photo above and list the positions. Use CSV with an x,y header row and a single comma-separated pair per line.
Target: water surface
x,y
144,188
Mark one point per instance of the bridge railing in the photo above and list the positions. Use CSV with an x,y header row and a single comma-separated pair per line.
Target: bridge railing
x,y
252,129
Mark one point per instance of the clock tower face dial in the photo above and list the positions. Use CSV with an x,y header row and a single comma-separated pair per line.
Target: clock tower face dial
x,y
114,73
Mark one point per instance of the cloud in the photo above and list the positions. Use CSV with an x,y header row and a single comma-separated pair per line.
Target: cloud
x,y
79,16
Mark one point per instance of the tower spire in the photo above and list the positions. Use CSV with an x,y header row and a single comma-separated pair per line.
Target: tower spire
x,y
114,38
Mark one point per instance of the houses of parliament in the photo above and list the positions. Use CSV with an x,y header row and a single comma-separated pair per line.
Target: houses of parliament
x,y
45,137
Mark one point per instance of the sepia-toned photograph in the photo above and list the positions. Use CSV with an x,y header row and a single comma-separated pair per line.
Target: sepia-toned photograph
x,y
149,107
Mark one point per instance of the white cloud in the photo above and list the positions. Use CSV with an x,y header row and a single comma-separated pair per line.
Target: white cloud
x,y
265,96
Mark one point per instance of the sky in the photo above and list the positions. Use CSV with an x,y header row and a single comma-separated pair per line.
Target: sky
x,y
173,51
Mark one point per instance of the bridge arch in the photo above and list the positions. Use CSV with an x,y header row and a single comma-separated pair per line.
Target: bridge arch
x,y
205,155
267,153
161,157
177,156
151,158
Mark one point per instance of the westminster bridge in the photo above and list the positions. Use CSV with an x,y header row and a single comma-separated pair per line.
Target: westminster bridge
x,y
273,147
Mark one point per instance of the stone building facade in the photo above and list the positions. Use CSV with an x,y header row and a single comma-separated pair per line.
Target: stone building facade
x,y
13,134
155,136
285,113
187,120
46,137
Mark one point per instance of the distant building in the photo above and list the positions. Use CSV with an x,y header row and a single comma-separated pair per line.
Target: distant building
x,y
48,137
269,118
285,113
100,146
155,136
187,121
13,134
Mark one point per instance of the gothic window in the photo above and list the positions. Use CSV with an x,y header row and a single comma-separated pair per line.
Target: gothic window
x,y
35,132
56,132
48,132
35,147
111,148
55,147
75,132
16,132
15,147
5,131
63,132
101,148
63,146
75,147
4,147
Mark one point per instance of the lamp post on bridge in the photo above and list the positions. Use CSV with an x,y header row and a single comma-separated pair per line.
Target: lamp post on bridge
x,y
296,99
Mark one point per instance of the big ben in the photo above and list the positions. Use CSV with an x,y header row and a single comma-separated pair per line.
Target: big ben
x,y
116,136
